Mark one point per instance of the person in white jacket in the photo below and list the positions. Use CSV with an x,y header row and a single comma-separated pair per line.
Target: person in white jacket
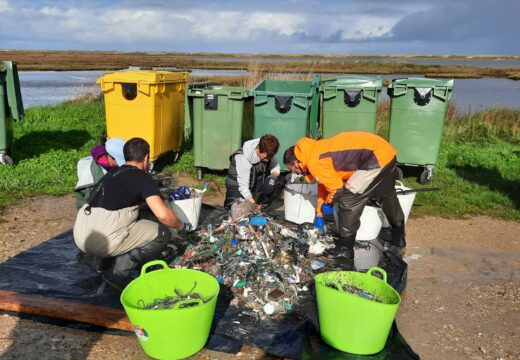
x,y
90,169
253,173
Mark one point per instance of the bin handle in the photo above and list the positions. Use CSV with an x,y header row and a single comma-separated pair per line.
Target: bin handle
x,y
236,95
400,86
437,92
300,104
106,85
260,99
370,90
153,263
195,93
329,93
379,270
144,86
178,304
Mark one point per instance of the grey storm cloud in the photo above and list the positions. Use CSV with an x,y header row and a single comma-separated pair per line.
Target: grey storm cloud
x,y
332,26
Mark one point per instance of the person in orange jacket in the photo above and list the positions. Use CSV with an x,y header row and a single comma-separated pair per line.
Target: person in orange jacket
x,y
351,168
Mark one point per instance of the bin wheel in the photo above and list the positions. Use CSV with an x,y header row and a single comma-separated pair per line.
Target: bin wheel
x,y
200,173
426,177
399,173
6,159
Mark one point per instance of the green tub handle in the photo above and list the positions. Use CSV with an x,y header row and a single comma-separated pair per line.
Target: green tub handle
x,y
153,263
333,282
379,270
179,304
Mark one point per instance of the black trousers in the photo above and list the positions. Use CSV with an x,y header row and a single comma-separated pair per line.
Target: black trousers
x,y
263,193
350,205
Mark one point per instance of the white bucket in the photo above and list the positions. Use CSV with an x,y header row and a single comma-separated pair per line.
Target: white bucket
x,y
405,200
366,257
371,222
300,201
188,210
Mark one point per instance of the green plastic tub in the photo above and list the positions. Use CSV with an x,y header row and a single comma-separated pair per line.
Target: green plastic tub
x,y
170,333
352,323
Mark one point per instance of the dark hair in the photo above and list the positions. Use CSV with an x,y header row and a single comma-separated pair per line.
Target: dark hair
x,y
288,156
268,144
136,149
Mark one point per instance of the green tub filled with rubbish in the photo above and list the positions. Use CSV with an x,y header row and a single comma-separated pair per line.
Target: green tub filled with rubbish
x,y
171,310
356,310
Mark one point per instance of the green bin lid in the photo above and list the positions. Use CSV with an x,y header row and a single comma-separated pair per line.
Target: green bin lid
x,y
231,91
421,82
358,82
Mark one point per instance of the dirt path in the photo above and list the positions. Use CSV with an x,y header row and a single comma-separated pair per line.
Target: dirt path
x,y
462,299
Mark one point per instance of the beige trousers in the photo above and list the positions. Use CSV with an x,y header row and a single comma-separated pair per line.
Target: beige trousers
x,y
106,233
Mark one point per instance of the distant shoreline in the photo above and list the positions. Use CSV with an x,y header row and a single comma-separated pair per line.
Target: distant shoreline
x,y
59,60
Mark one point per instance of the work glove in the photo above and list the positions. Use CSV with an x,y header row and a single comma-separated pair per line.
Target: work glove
x,y
185,229
327,209
319,223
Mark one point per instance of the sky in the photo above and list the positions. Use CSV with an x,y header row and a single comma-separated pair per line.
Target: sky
x,y
397,27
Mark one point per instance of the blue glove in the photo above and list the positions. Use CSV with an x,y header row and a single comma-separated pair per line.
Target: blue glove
x,y
327,209
319,223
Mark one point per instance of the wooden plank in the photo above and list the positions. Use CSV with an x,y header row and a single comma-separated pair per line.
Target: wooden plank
x,y
64,309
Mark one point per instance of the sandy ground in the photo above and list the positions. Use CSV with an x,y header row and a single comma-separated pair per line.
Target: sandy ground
x,y
462,300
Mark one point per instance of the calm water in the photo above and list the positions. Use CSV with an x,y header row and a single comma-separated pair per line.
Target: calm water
x,y
52,87
491,63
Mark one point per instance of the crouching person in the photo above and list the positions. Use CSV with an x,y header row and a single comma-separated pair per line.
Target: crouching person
x,y
254,173
107,226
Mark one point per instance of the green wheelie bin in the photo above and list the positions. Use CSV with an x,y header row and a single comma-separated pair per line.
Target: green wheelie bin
x,y
221,119
349,103
286,109
417,111
11,109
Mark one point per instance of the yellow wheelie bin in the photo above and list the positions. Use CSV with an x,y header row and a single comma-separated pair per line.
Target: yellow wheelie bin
x,y
146,104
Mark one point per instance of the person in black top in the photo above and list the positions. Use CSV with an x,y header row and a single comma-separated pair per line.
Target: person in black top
x,y
108,225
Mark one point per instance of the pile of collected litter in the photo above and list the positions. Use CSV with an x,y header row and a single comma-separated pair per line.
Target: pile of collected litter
x,y
268,264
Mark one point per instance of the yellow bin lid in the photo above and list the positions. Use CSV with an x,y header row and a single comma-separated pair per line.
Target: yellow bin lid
x,y
149,76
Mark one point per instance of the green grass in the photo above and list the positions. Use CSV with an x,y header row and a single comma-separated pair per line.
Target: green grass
x,y
48,144
475,180
478,167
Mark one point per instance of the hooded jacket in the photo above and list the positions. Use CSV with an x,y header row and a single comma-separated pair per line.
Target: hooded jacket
x,y
332,161
244,161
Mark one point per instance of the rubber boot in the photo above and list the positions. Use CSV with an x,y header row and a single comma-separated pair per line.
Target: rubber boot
x,y
343,254
394,236
95,263
124,269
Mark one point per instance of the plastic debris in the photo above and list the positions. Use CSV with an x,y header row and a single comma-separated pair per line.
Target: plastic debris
x,y
261,264
181,193
351,289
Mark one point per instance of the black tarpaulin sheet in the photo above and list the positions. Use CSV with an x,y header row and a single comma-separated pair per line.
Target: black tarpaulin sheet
x,y
53,269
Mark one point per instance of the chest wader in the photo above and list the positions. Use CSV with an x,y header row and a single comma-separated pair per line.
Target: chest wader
x,y
350,207
125,267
